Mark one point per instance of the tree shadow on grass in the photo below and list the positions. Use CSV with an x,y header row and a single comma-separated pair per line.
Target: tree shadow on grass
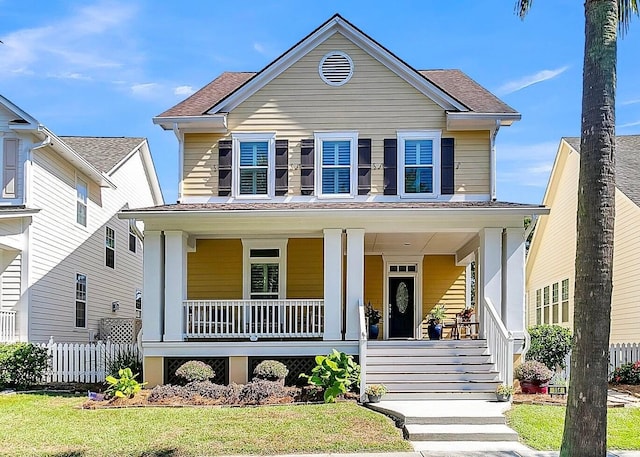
x,y
161,453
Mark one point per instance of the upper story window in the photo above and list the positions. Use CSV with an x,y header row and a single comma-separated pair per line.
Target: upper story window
x,y
419,164
254,164
81,204
336,164
110,247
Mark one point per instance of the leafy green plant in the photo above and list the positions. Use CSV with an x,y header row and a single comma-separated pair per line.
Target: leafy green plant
x,y
336,373
629,373
195,370
125,386
271,370
437,314
126,357
22,364
550,345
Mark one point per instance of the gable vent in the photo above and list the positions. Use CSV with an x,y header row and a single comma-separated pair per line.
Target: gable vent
x,y
336,68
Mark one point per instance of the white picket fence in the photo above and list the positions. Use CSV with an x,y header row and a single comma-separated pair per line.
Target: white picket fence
x,y
619,354
75,362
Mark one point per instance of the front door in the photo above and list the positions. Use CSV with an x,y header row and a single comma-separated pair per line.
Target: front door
x,y
401,298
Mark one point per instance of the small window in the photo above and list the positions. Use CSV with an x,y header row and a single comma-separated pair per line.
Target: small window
x,y
419,167
81,300
336,163
81,201
254,164
110,247
265,269
133,237
264,253
138,303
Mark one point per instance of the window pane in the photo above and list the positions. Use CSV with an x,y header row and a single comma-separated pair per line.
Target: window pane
x,y
254,153
336,153
81,190
132,242
565,289
555,313
539,298
336,181
110,258
554,292
539,316
81,314
418,180
253,181
565,311
546,315
81,214
546,295
264,253
418,152
264,278
81,287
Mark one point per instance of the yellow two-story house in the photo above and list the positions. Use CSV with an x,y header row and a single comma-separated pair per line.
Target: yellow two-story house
x,y
335,177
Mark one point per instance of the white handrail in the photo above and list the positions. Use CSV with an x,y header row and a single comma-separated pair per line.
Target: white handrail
x,y
500,342
7,326
362,350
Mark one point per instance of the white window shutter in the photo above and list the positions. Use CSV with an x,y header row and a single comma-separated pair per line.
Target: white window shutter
x,y
9,167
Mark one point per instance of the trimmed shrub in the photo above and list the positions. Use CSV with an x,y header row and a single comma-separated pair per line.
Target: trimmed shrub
x,y
195,370
532,371
550,344
167,391
271,370
260,390
22,364
207,389
629,373
124,358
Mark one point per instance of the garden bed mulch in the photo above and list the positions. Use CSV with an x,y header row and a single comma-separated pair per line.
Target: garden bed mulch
x,y
545,399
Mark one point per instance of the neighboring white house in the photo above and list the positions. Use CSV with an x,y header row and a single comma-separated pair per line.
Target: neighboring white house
x,y
66,260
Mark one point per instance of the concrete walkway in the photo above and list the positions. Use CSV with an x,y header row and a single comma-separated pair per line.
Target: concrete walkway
x,y
455,453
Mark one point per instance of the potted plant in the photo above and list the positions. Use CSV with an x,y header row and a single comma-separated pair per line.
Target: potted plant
x,y
504,392
434,318
466,314
533,377
375,392
373,316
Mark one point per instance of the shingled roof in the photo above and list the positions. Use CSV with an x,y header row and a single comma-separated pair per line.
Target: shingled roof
x,y
627,164
102,152
454,82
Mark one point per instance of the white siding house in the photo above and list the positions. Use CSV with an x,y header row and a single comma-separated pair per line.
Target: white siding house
x,y
66,260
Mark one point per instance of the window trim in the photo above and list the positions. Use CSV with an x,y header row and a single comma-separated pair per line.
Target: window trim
x,y
436,137
270,138
247,246
132,233
107,247
79,180
86,300
352,137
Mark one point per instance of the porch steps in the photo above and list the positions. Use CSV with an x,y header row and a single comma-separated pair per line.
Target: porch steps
x,y
460,432
432,370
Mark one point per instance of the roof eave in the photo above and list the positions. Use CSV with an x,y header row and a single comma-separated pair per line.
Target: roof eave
x,y
480,121
213,123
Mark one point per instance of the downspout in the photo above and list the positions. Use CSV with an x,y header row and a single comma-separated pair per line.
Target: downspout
x,y
180,136
492,168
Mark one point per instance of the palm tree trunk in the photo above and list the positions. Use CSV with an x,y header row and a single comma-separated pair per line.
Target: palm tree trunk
x,y
585,430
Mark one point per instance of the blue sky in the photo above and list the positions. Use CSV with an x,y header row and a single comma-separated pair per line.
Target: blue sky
x,y
106,68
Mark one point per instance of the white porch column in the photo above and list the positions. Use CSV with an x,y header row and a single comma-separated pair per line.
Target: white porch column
x,y
489,268
175,283
513,308
355,281
152,286
332,284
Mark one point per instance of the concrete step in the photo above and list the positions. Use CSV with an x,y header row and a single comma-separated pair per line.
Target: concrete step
x,y
402,385
376,377
422,360
460,432
427,351
439,395
426,343
456,420
429,367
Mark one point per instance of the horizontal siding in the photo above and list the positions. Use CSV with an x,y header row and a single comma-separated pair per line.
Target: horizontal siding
x,y
374,284
214,270
555,238
298,102
305,268
24,144
10,280
61,248
442,282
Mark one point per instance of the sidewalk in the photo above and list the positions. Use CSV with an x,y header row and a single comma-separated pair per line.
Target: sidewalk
x,y
456,452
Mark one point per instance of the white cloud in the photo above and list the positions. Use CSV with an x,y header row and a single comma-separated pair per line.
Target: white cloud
x,y
628,124
183,90
83,43
630,102
68,75
545,150
526,164
259,47
529,80
145,90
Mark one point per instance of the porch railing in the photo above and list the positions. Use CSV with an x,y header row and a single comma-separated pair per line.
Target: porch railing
x,y
7,326
254,318
500,343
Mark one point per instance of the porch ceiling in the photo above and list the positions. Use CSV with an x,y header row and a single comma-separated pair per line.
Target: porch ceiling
x,y
417,243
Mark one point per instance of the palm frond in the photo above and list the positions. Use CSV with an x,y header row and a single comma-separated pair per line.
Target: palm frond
x,y
523,7
626,9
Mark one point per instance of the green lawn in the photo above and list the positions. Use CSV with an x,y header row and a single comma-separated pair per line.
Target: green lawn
x,y
32,424
541,426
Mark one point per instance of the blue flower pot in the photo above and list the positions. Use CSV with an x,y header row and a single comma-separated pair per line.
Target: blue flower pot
x,y
373,332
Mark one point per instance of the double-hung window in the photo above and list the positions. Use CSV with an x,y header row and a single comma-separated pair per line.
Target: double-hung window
x,y
264,269
254,164
419,163
81,201
336,163
110,247
81,300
